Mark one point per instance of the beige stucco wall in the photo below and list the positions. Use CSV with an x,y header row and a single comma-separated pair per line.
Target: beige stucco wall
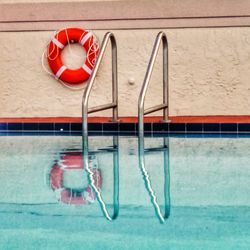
x,y
209,74
49,1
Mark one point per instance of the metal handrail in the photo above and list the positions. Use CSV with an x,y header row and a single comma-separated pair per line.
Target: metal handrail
x,y
141,112
85,111
165,106
85,99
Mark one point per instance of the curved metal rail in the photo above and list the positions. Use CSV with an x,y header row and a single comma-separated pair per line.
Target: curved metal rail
x,y
141,112
85,99
165,106
114,106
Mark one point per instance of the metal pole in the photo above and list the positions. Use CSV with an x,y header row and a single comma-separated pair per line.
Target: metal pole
x,y
160,37
165,78
87,91
85,112
146,82
114,79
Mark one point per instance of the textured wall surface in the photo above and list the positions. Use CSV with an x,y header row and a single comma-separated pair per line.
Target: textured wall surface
x,y
47,1
209,74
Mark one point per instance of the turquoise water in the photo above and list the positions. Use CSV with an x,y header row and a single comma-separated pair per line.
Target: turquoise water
x,y
205,187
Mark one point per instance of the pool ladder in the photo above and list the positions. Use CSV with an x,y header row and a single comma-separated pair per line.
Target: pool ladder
x,y
114,106
162,216
164,106
85,99
141,112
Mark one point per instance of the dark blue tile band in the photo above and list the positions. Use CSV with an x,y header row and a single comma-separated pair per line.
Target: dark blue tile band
x,y
30,126
15,126
128,128
112,128
95,126
46,126
211,127
244,127
3,126
62,127
194,127
177,128
75,127
161,127
228,127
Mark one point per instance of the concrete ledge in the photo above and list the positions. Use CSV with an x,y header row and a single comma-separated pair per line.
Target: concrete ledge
x,y
125,14
128,24
151,119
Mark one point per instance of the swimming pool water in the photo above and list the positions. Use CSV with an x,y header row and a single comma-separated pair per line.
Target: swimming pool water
x,y
207,194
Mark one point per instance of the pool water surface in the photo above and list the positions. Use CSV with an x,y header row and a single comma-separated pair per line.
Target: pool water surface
x,y
46,201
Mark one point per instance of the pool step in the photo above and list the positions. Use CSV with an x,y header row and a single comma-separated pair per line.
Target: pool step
x,y
158,149
109,149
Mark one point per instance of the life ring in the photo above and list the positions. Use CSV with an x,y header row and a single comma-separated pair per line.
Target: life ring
x,y
73,161
60,40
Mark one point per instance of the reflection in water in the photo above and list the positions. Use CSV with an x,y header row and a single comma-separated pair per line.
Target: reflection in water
x,y
91,175
77,179
141,155
146,177
74,189
213,205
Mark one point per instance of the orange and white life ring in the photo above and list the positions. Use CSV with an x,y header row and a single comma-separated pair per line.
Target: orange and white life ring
x,y
60,40
73,161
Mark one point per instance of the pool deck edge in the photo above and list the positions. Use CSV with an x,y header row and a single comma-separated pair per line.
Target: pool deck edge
x,y
149,119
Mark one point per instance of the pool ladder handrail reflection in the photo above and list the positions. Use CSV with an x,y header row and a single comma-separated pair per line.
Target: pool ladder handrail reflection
x,y
114,106
165,105
161,37
141,154
115,150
